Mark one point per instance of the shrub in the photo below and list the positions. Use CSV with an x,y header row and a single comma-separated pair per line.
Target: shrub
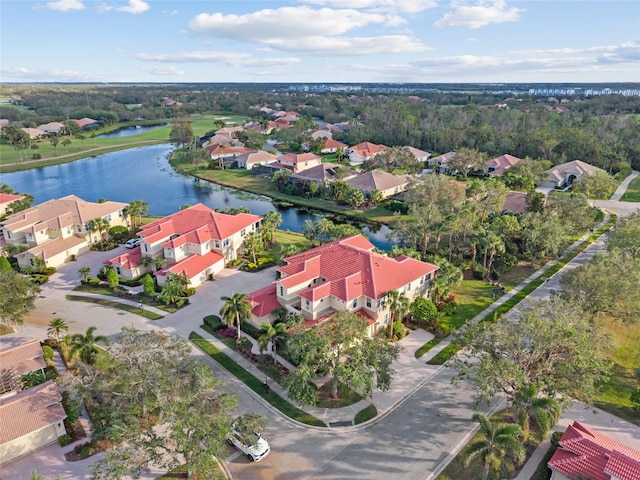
x,y
73,408
479,273
39,279
49,271
213,321
442,330
250,330
47,352
190,291
448,309
396,206
555,438
65,440
243,342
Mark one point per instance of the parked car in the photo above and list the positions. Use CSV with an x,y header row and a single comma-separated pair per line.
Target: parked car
x,y
132,243
253,445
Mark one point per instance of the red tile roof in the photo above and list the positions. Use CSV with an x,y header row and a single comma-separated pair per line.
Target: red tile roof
x,y
368,149
23,358
331,143
208,223
502,163
587,453
8,198
296,158
127,260
264,301
218,149
515,202
192,265
30,410
349,269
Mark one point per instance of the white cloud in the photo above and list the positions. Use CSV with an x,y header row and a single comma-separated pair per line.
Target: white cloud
x,y
480,15
65,5
307,31
164,70
226,58
135,7
404,6
283,23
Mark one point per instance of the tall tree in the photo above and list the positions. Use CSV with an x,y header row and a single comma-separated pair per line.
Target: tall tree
x,y
253,243
553,345
136,209
499,446
181,133
468,160
99,225
270,222
530,407
235,309
17,296
341,347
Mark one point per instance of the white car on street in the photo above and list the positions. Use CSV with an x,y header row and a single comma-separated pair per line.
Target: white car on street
x,y
253,445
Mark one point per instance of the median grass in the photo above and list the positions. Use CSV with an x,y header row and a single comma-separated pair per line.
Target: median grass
x,y
112,304
426,347
366,414
632,194
253,383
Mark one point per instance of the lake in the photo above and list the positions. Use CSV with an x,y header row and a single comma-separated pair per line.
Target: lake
x,y
144,173
129,131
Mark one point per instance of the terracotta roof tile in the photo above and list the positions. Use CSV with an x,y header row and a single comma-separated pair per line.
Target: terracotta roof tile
x,y
264,301
30,410
23,358
192,265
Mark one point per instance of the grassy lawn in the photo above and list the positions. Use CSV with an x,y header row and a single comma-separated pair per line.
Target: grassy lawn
x,y
473,297
615,394
253,383
181,472
366,414
346,396
632,194
112,304
282,237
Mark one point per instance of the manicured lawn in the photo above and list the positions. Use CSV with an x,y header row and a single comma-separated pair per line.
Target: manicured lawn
x,y
366,414
632,194
253,383
120,306
346,396
615,393
282,237
473,297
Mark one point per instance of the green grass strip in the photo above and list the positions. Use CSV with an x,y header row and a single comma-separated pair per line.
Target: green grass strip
x,y
111,304
426,347
450,350
366,414
253,383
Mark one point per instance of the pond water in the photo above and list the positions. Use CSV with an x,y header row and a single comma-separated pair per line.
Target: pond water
x,y
145,174
129,131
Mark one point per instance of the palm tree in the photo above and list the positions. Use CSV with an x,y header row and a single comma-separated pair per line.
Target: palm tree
x,y
85,273
309,230
174,290
322,227
499,443
56,327
159,262
84,345
272,333
99,225
234,309
146,262
528,407
253,243
270,222
375,197
398,304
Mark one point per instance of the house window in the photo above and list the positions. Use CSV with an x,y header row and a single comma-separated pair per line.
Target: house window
x,y
407,287
368,302
68,230
79,227
306,303
217,244
355,303
379,303
225,243
281,291
118,270
386,318
243,232
108,217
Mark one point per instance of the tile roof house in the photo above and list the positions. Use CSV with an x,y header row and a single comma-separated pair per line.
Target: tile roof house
x,y
34,133
59,228
297,162
218,150
419,155
19,360
7,199
384,182
442,162
196,241
563,175
255,157
326,172
331,146
499,165
342,275
586,453
364,151
321,133
51,127
30,420
86,122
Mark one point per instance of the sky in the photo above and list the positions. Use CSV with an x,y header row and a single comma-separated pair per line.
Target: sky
x,y
320,41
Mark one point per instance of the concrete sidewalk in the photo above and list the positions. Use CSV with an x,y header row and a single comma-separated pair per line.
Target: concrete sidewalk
x,y
623,186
